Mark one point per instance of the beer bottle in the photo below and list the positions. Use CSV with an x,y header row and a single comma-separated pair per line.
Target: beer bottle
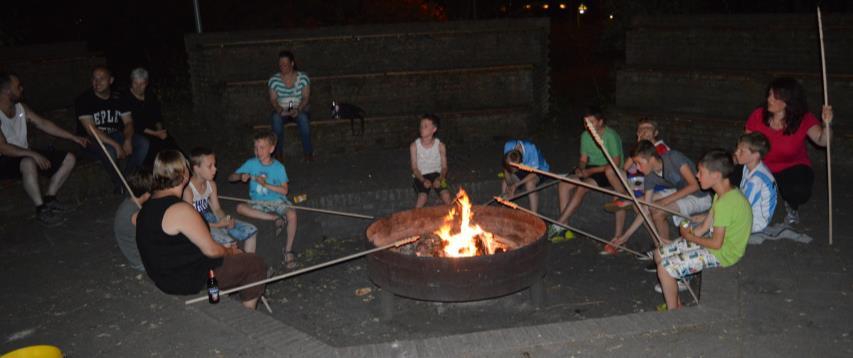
x,y
212,288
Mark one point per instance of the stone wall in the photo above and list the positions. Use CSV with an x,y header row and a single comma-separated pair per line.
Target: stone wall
x,y
701,76
392,71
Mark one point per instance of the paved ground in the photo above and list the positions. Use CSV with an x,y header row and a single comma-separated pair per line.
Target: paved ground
x,y
69,287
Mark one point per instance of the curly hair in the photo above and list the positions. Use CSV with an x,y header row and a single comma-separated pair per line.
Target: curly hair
x,y
790,91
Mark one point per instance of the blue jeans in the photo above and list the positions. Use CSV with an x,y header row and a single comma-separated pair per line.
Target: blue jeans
x,y
304,131
140,150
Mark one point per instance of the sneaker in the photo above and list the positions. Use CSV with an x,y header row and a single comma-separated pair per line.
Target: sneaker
x,y
617,205
651,267
792,216
682,286
554,231
609,250
48,218
649,256
58,208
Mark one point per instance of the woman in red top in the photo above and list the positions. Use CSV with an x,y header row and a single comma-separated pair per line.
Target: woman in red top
x,y
786,122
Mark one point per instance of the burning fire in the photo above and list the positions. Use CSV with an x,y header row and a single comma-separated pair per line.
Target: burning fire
x,y
465,239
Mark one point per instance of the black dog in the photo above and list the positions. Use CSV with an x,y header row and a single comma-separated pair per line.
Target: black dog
x,y
351,112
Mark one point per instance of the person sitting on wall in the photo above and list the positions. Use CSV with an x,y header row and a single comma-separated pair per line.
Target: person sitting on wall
x,y
102,113
289,92
18,160
148,116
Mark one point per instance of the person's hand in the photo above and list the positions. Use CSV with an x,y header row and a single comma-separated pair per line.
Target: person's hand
x,y
293,112
162,134
510,191
437,183
684,230
261,180
427,183
127,146
827,115
41,161
120,153
82,141
232,250
245,177
229,222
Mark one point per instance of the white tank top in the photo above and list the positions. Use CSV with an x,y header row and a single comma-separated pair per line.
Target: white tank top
x,y
429,159
15,128
201,201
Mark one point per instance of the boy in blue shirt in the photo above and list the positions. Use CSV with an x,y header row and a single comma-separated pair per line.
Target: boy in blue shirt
x,y
526,153
268,190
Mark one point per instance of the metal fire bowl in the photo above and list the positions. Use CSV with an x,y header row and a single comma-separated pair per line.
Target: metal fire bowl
x,y
456,279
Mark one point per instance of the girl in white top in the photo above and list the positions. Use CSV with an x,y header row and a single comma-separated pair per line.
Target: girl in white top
x,y
429,162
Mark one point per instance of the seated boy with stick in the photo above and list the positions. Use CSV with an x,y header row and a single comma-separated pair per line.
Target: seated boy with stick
x,y
526,153
124,223
428,157
757,182
202,193
268,190
731,218
593,168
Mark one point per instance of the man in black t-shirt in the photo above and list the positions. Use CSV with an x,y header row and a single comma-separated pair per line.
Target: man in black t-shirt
x,y
101,112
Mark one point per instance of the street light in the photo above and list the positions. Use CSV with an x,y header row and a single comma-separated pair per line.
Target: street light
x,y
582,9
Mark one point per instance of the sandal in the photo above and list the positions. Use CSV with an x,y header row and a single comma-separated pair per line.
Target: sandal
x,y
289,260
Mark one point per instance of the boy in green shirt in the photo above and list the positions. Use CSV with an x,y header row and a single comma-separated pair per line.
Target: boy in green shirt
x,y
731,218
592,168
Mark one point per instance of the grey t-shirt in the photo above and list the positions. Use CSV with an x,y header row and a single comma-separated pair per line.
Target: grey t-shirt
x,y
125,233
672,160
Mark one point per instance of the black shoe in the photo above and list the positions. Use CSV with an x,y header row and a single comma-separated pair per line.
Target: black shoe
x,y
58,208
651,267
48,218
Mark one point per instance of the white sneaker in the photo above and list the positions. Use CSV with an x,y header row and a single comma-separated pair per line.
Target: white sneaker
x,y
792,216
681,287
649,256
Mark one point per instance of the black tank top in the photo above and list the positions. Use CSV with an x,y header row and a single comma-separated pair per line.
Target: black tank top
x,y
173,262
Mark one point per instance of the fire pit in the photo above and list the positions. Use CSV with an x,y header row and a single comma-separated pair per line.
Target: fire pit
x,y
505,252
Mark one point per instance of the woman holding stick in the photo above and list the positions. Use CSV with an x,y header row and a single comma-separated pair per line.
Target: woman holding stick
x,y
175,244
786,122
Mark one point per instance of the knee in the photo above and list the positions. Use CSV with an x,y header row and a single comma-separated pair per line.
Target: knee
x,y
70,160
28,166
291,216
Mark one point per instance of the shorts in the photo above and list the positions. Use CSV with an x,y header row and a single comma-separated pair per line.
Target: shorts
x,y
420,188
241,231
10,167
600,180
688,205
520,175
682,258
277,207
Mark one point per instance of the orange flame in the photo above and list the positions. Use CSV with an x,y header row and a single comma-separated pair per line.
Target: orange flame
x,y
464,242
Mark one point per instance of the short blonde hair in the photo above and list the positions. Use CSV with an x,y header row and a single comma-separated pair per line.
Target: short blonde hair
x,y
170,170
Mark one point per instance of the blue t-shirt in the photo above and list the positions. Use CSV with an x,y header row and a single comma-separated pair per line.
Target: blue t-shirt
x,y
530,155
274,173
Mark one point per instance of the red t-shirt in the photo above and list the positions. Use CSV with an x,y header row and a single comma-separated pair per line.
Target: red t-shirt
x,y
785,150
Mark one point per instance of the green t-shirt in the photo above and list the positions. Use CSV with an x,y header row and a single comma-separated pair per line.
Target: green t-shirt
x,y
732,212
596,157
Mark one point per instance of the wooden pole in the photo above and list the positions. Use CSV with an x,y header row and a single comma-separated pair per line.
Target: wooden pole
x,y
595,187
333,212
618,171
312,268
120,175
520,195
828,134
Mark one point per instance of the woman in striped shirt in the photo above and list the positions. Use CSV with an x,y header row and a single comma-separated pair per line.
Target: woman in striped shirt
x,y
289,92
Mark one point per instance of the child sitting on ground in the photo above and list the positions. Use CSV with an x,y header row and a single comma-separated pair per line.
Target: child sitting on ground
x,y
428,158
523,152
202,193
757,182
647,129
124,224
731,218
593,168
268,190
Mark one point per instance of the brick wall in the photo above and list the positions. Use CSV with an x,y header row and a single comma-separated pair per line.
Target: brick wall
x,y
398,70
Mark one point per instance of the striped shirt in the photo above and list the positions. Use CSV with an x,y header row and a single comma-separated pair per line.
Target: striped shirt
x,y
759,188
286,95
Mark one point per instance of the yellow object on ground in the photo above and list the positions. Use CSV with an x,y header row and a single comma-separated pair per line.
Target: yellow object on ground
x,y
567,235
40,351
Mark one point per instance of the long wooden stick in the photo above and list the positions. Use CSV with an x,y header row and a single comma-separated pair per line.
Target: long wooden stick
x,y
616,169
333,212
515,206
311,268
520,195
596,188
829,134
120,175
